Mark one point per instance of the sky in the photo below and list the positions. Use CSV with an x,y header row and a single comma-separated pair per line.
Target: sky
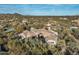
x,y
40,9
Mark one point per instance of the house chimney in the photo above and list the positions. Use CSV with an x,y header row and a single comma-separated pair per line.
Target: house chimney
x,y
48,26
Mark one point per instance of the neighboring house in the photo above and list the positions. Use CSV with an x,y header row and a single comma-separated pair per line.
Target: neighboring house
x,y
64,18
24,21
76,22
9,30
74,27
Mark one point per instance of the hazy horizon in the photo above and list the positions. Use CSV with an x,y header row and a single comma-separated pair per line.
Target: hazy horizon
x,y
40,9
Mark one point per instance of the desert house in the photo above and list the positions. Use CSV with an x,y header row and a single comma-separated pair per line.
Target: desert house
x,y
76,22
49,35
